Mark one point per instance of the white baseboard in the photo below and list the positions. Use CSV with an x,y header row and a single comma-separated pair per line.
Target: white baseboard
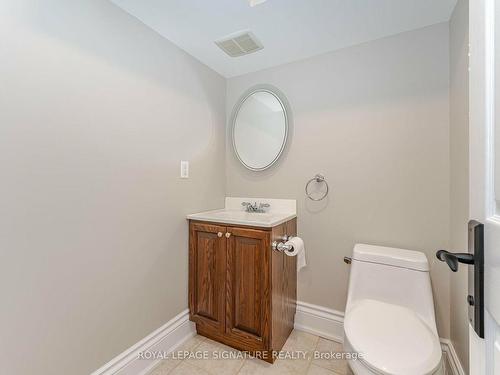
x,y
165,339
324,322
453,363
320,321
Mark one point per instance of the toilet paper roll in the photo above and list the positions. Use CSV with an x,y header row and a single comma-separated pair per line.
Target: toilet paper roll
x,y
298,250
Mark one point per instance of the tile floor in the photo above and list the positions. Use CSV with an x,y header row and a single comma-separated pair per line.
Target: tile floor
x,y
301,342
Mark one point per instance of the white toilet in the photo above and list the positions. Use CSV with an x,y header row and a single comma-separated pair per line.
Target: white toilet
x,y
389,316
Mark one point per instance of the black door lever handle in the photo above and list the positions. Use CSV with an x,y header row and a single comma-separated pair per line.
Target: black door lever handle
x,y
452,259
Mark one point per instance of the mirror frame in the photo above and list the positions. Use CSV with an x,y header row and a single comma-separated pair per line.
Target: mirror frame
x,y
287,113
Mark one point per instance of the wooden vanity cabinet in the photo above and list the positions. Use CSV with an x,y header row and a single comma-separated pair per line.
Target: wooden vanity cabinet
x,y
241,292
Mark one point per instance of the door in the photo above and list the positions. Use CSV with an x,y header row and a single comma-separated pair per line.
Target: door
x,y
248,311
484,159
207,266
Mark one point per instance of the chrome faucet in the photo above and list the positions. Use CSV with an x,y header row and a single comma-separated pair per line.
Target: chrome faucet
x,y
254,208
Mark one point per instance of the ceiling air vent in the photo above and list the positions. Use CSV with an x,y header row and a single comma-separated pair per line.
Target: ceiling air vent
x,y
239,44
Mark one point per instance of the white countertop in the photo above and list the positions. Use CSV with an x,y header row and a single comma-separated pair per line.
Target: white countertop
x,y
281,210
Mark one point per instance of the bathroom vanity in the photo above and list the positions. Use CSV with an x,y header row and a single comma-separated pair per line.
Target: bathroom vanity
x,y
242,292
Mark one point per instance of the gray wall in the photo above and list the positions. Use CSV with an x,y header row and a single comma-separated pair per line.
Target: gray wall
x,y
96,111
459,173
374,119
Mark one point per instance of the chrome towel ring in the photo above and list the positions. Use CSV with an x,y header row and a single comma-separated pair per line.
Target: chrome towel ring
x,y
318,178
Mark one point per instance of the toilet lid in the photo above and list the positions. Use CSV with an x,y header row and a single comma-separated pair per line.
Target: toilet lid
x,y
393,339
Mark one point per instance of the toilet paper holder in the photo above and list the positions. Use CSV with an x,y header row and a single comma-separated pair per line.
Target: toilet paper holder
x,y
281,244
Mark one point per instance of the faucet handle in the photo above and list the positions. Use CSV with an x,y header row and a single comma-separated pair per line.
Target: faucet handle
x,y
248,206
263,206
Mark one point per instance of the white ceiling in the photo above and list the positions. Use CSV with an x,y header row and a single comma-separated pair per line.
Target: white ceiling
x,y
290,30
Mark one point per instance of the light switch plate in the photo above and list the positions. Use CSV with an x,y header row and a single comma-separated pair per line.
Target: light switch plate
x,y
184,169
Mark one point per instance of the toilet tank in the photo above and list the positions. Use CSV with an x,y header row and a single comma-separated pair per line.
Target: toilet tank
x,y
390,275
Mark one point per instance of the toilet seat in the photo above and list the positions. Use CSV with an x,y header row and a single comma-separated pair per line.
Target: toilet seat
x,y
393,339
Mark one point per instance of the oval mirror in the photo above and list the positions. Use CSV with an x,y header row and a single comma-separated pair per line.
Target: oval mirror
x,y
260,128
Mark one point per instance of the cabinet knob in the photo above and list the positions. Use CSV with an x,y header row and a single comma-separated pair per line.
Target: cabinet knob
x,y
228,235
219,234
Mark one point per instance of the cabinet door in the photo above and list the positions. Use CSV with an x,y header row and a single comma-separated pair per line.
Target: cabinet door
x,y
248,287
207,269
